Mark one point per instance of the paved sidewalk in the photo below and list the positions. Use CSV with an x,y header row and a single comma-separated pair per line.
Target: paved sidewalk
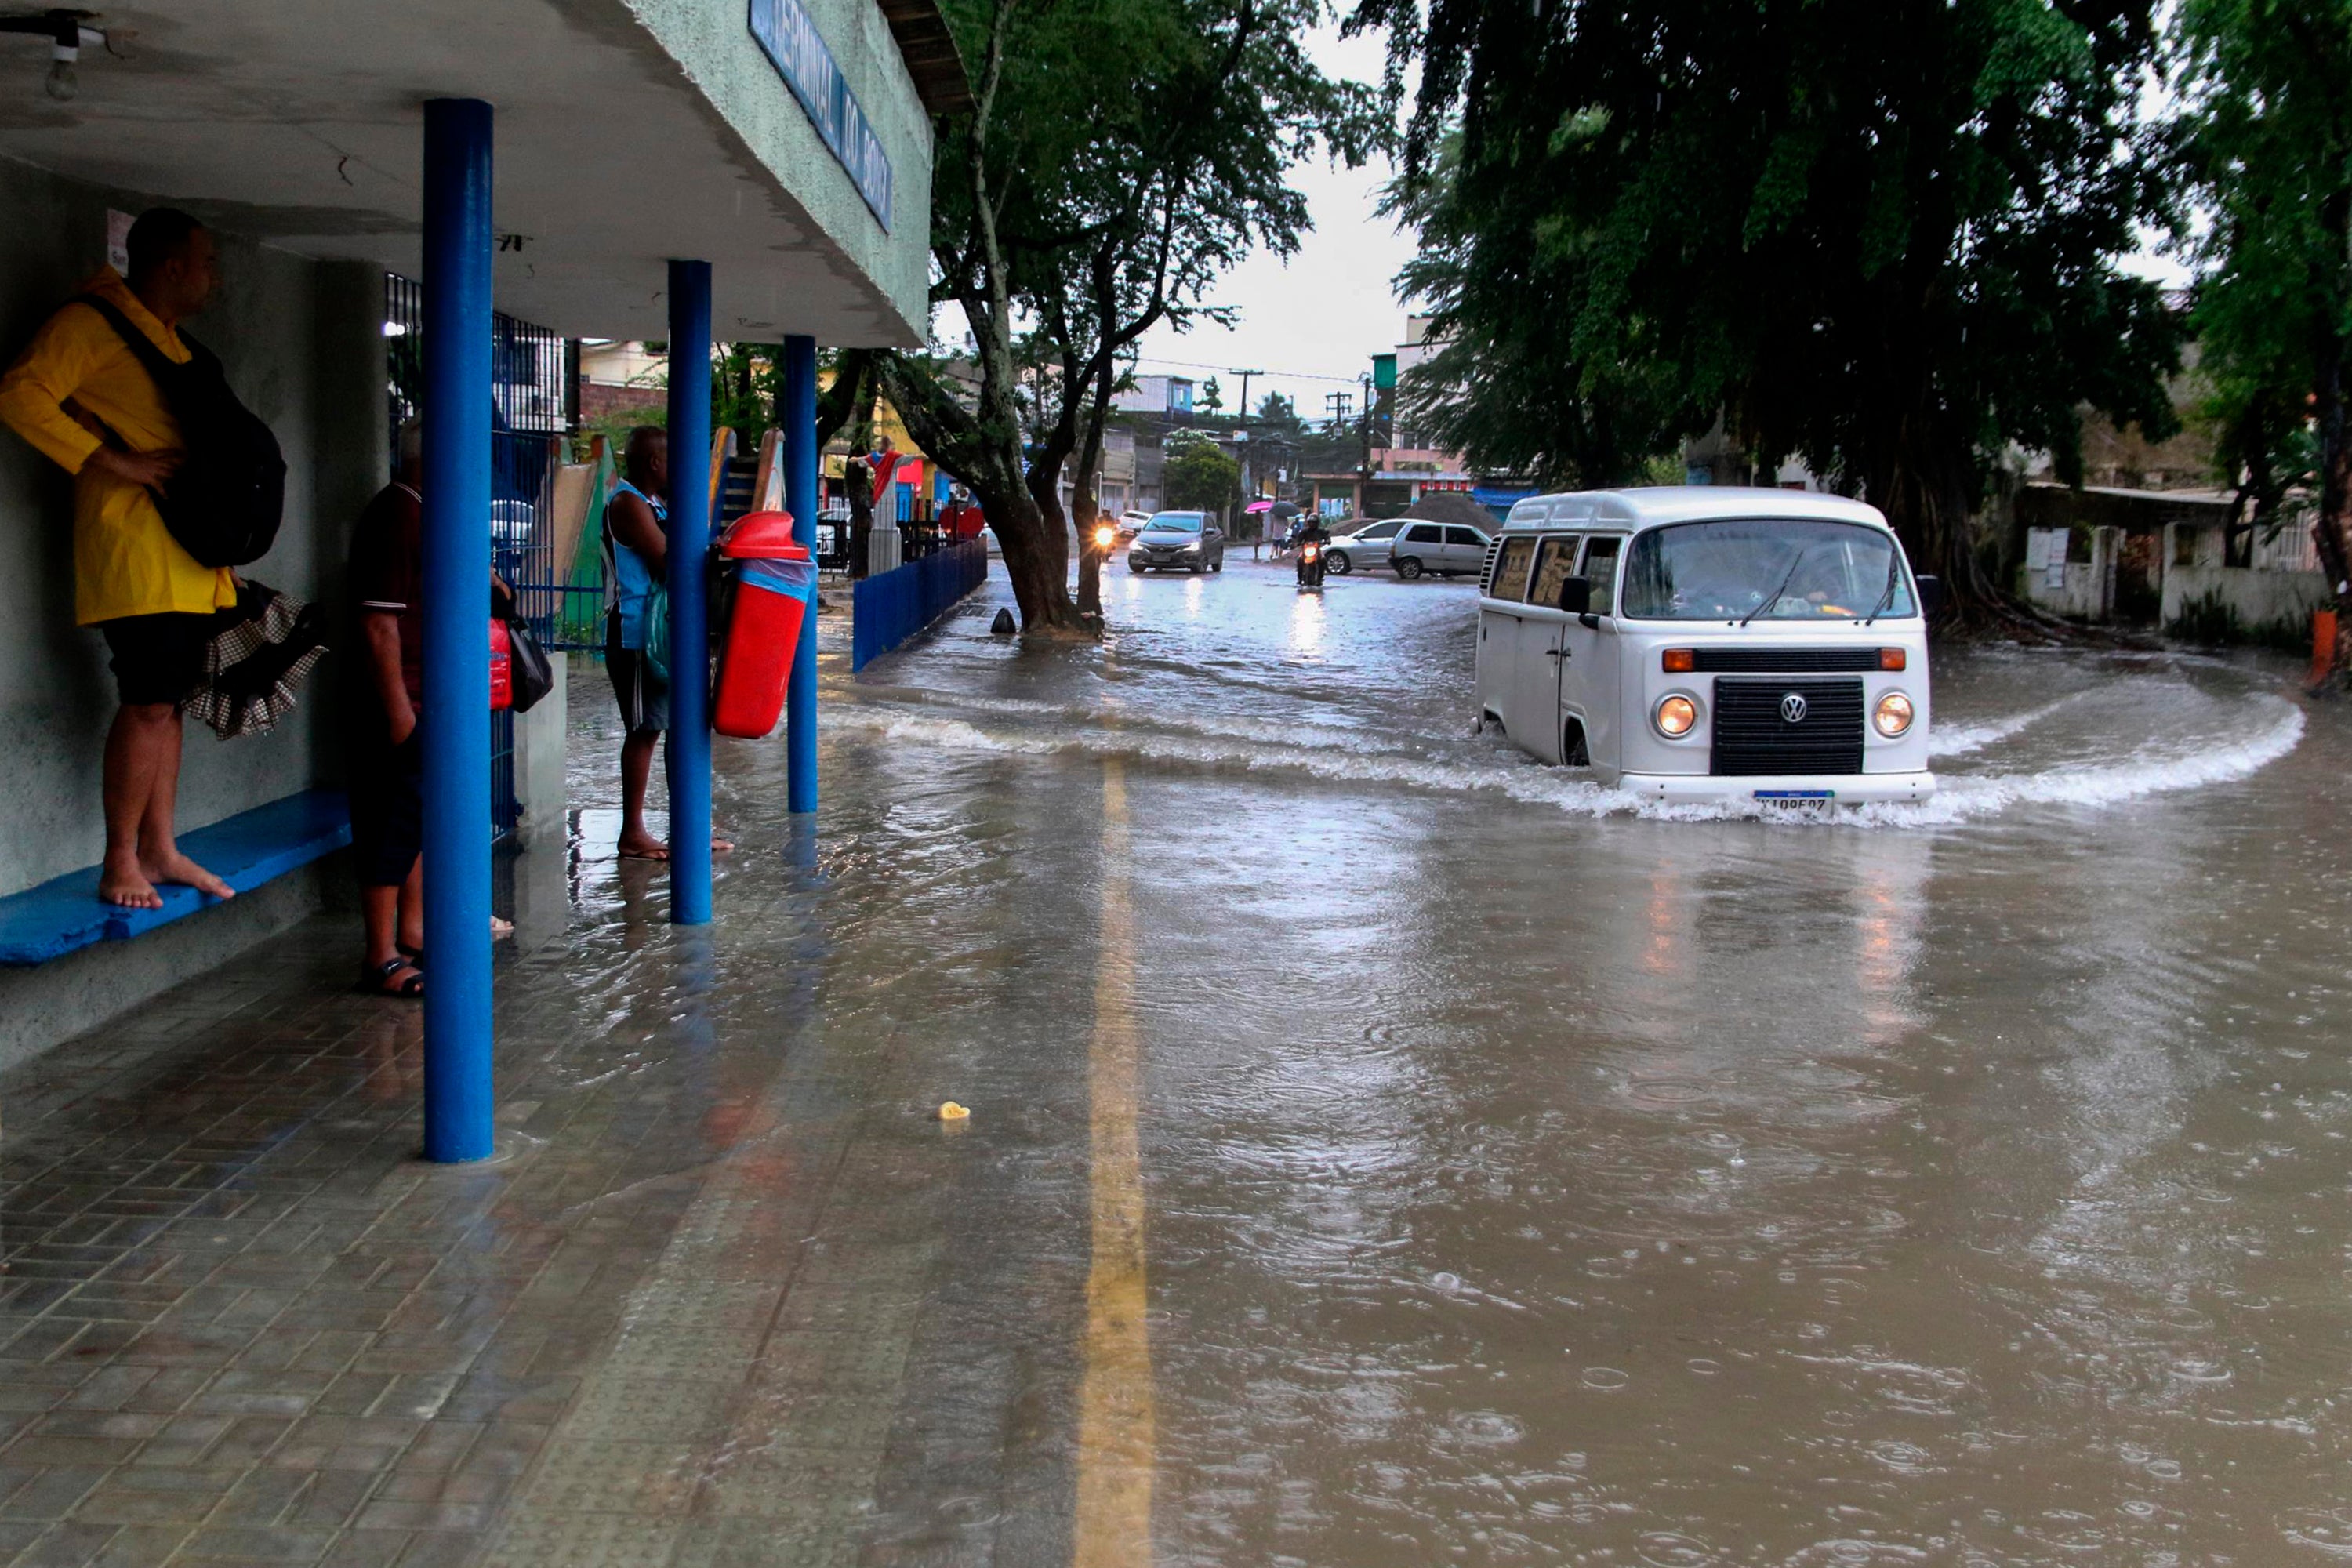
x,y
729,1296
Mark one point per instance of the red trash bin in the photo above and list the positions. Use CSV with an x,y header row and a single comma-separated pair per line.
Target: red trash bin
x,y
774,583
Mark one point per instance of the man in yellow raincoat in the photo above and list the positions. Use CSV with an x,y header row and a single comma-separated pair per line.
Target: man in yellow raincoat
x,y
80,396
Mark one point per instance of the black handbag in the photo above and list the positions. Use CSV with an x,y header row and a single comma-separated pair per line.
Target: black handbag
x,y
228,493
530,674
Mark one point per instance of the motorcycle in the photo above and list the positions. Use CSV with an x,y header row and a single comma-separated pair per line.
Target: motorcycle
x,y
1310,567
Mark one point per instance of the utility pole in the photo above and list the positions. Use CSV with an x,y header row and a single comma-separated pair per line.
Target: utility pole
x,y
1246,375
1364,473
1249,492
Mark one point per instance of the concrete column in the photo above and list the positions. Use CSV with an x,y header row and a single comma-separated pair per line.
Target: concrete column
x,y
688,748
800,499
456,637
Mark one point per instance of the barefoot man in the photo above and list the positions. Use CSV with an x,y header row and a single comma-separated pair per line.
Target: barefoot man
x,y
637,555
79,395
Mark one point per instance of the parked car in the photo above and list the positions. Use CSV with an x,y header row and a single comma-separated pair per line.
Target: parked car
x,y
1367,545
512,523
1446,549
1190,540
1131,523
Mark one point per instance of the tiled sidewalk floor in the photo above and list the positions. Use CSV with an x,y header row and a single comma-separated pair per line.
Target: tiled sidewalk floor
x,y
727,1298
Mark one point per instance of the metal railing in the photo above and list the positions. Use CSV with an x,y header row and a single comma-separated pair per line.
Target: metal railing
x,y
888,608
532,392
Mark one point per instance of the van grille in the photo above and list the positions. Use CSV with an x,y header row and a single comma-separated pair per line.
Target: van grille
x,y
1752,738
1793,659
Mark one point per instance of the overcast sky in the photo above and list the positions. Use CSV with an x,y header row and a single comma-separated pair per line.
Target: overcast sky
x,y
1314,322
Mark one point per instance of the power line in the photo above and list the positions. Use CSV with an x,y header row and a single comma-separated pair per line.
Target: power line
x,y
1285,375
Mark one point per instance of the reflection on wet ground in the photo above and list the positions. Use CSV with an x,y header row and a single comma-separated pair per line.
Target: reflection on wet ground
x,y
1385,1150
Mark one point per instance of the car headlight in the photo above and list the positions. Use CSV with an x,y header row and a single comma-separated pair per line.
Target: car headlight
x,y
1194,547
1894,714
1675,717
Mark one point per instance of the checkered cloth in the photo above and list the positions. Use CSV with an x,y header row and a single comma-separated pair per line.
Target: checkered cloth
x,y
258,655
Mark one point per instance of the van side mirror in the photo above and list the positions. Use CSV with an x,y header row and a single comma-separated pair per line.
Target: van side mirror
x,y
1575,595
1931,594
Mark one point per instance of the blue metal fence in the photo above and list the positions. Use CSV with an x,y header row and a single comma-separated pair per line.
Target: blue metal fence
x,y
530,391
888,610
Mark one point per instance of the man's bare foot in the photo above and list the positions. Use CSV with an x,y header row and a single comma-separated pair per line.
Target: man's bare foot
x,y
721,845
127,887
177,868
643,847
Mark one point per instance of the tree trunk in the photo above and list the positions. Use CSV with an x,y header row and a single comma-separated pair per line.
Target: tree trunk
x,y
1922,480
1085,511
1054,534
981,447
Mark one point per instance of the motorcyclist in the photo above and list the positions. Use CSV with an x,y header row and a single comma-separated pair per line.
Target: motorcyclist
x,y
1310,531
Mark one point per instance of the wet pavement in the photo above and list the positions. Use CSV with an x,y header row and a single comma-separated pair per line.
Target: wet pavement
x,y
1384,1150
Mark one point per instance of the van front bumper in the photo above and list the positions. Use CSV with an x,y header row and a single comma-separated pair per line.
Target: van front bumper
x,y
1834,789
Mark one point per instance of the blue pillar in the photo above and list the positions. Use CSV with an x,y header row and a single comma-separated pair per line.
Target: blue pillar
x,y
800,499
688,749
456,584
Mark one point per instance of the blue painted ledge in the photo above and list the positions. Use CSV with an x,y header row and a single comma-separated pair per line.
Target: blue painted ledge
x,y
252,847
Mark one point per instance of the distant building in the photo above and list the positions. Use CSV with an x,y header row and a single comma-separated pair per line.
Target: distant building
x,y
1157,394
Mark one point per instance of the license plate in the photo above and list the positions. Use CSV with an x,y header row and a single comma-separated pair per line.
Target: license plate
x,y
1793,799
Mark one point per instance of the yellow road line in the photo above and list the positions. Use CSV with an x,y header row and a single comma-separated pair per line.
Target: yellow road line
x,y
1116,1416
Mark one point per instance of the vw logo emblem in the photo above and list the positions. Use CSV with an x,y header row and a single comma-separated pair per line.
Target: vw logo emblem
x,y
1792,708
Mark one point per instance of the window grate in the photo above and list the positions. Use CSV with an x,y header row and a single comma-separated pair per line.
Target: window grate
x,y
531,416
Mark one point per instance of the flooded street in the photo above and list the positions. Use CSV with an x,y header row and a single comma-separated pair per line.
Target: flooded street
x,y
1383,1151
1525,1178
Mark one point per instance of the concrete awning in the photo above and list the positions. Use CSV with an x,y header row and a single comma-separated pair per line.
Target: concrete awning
x,y
626,134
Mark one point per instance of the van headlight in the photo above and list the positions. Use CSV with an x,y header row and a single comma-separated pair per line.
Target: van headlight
x,y
1675,716
1894,714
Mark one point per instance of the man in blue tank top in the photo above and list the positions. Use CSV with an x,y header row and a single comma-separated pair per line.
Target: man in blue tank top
x,y
637,555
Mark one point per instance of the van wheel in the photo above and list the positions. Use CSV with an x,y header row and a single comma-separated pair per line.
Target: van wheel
x,y
1572,746
1409,568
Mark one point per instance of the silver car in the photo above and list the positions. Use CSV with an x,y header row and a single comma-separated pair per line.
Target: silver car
x,y
1366,546
1446,549
1172,541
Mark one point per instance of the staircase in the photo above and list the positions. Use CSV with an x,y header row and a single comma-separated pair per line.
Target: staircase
x,y
737,483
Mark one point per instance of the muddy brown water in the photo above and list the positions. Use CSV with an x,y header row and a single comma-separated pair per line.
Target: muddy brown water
x,y
1526,1178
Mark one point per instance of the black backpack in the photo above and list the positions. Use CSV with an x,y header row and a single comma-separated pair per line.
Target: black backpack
x,y
224,501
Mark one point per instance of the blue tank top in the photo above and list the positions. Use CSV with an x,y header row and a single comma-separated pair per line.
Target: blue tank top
x,y
627,577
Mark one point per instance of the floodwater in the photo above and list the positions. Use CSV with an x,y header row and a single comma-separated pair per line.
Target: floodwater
x,y
1499,1173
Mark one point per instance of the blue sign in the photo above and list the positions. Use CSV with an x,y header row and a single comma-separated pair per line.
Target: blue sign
x,y
786,34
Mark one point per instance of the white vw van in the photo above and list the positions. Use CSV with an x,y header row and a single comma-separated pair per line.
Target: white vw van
x,y
1710,643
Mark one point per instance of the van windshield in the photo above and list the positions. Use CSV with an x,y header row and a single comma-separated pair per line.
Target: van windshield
x,y
1771,569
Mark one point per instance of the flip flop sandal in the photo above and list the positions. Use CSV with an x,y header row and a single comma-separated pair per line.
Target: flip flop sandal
x,y
415,956
374,979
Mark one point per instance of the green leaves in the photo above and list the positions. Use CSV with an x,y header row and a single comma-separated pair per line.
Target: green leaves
x,y
1880,234
1197,475
2266,140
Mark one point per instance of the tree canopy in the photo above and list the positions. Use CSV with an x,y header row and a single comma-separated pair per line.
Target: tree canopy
x,y
1197,475
2266,131
1120,156
1878,235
